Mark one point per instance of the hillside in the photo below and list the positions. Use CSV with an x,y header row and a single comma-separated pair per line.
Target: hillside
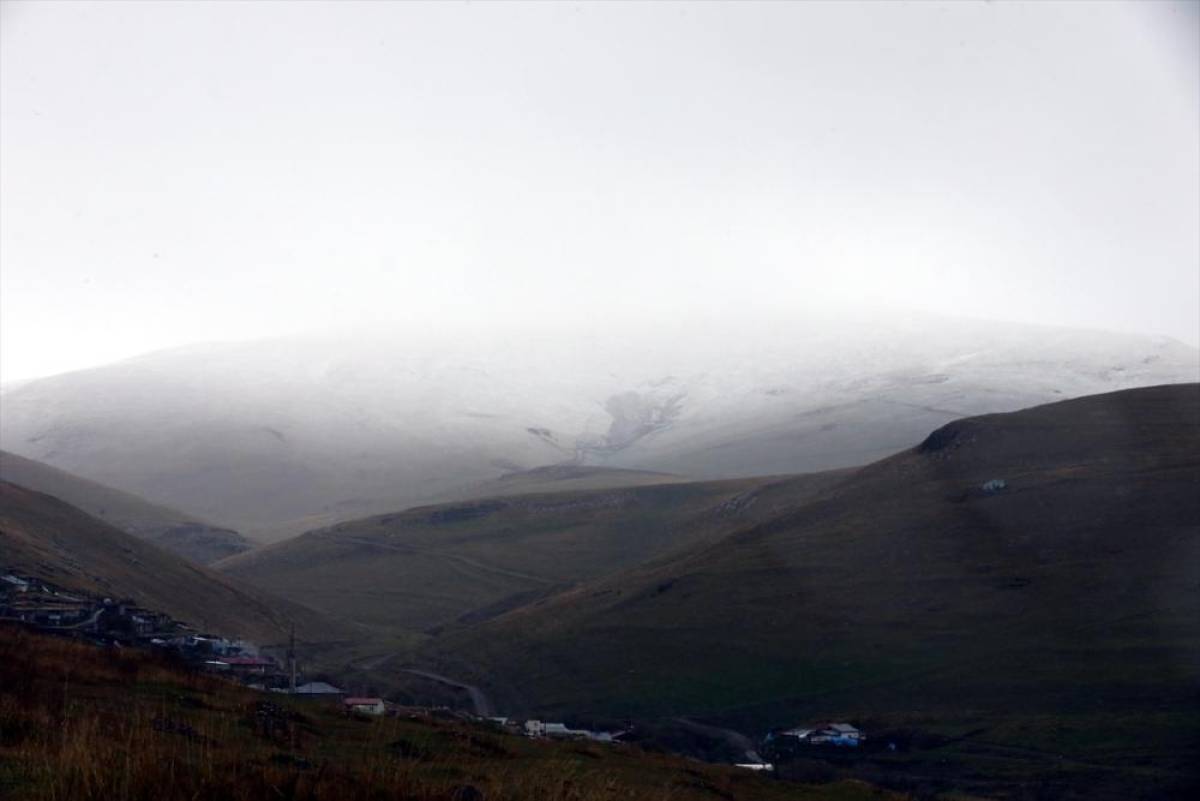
x,y
1056,613
419,570
568,478
45,537
167,528
277,437
138,727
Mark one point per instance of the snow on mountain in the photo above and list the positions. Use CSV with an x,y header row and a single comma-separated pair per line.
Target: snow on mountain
x,y
274,437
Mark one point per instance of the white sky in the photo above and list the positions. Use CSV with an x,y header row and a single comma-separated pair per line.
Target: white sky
x,y
175,172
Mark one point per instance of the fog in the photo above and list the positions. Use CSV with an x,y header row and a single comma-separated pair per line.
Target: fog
x,y
174,173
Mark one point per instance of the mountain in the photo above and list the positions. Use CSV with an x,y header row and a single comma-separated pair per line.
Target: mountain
x,y
167,528
45,537
1027,579
276,437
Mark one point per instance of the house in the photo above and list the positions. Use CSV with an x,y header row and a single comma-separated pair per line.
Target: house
x,y
318,689
249,665
825,734
367,706
538,728
837,734
799,734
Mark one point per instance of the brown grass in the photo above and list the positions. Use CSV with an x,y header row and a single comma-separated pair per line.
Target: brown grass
x,y
79,723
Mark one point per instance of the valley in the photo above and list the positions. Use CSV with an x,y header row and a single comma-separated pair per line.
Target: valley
x,y
1002,604
1007,572
44,538
599,401
185,536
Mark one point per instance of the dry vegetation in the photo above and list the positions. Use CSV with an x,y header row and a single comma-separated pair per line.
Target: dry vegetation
x,y
77,722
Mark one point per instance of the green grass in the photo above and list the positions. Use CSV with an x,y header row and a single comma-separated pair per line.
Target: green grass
x,y
904,592
419,570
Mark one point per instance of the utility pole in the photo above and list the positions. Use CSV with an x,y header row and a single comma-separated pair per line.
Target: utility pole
x,y
292,658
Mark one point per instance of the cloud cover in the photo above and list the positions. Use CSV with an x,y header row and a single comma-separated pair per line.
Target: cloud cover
x,y
182,172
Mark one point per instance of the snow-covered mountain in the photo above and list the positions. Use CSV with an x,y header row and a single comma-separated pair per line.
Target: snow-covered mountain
x,y
274,437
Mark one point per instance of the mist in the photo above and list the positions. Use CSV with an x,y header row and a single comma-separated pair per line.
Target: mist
x,y
179,173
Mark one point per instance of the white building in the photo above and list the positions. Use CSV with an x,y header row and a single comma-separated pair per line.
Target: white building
x,y
367,706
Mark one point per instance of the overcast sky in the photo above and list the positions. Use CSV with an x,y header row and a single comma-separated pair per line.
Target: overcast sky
x,y
177,172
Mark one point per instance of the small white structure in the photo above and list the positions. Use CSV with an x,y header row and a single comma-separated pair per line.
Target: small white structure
x,y
799,734
754,765
21,584
837,734
535,728
319,689
367,706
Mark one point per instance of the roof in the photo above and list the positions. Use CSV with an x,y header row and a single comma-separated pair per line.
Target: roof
x,y
318,688
362,701
254,661
844,728
797,733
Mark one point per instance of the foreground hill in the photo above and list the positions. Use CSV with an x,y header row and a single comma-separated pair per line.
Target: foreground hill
x,y
278,437
138,728
1054,610
166,528
45,537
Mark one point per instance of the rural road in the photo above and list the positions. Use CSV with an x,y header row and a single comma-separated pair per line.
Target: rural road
x,y
734,738
483,704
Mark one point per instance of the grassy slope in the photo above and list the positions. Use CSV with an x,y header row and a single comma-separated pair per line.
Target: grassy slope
x,y
569,478
43,536
85,724
1062,613
168,528
419,570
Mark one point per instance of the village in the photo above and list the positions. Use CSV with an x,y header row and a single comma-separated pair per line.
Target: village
x,y
42,606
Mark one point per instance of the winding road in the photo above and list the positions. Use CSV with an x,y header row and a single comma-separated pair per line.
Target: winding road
x,y
734,738
483,704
